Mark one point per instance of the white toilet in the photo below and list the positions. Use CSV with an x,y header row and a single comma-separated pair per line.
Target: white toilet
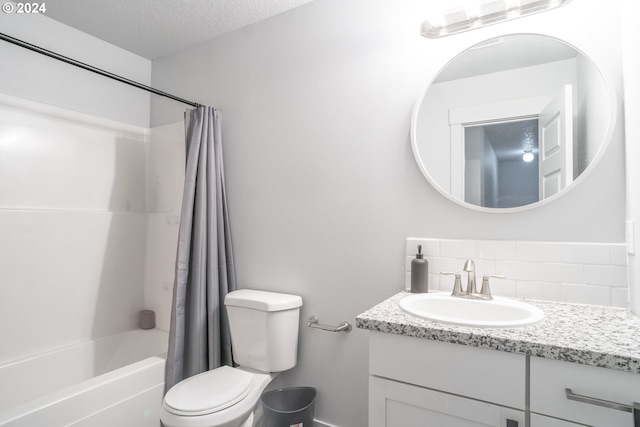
x,y
264,336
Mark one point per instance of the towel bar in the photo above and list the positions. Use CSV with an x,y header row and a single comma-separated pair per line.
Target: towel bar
x,y
342,327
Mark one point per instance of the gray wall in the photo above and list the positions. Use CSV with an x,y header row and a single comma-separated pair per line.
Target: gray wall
x,y
322,184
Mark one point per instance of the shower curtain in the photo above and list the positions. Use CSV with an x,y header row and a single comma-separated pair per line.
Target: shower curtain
x,y
199,335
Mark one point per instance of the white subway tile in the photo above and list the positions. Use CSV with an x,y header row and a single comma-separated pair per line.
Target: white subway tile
x,y
407,263
575,253
446,283
496,249
517,270
585,294
559,272
502,287
620,297
538,290
458,248
434,262
434,282
430,247
436,265
537,251
618,254
484,266
584,253
589,273
605,275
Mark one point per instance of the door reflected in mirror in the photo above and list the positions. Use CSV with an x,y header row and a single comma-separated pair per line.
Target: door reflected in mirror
x,y
509,98
501,163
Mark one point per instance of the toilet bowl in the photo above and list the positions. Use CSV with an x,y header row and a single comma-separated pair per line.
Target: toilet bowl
x,y
223,397
264,338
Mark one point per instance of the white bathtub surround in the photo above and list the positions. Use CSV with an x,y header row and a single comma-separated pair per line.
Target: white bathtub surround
x,y
165,180
585,273
116,380
88,207
73,223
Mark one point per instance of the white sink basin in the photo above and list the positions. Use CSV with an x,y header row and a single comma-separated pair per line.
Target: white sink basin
x,y
495,313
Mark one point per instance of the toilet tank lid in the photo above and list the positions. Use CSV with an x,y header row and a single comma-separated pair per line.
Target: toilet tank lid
x,y
262,300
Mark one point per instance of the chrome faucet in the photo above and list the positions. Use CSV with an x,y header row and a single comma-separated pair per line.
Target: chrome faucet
x,y
470,268
471,292
457,287
485,291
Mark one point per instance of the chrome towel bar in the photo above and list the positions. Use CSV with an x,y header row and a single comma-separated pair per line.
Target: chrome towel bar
x,y
342,327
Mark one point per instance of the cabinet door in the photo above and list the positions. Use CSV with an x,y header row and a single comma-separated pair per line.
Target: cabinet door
x,y
478,373
542,421
551,379
395,404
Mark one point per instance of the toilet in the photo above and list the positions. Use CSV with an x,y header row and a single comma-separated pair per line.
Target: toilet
x,y
264,337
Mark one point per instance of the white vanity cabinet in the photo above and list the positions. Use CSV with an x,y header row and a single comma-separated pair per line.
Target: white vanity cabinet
x,y
417,381
543,421
395,403
435,374
550,380
428,383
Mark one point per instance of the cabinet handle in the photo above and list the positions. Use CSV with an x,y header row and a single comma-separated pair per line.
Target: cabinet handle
x,y
634,408
600,402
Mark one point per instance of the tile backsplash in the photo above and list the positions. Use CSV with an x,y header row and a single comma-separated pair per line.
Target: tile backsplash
x,y
586,273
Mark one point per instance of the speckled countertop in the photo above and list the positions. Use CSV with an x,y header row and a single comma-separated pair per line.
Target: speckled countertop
x,y
587,334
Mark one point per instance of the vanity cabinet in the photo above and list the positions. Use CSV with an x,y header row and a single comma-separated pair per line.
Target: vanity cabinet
x,y
415,381
543,421
550,380
400,404
436,374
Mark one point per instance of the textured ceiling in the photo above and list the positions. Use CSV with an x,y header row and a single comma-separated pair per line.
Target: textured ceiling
x,y
155,28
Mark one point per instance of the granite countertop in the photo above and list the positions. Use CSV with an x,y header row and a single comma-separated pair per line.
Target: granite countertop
x,y
588,334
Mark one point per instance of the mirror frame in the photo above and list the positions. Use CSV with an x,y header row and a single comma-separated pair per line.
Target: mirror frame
x,y
608,134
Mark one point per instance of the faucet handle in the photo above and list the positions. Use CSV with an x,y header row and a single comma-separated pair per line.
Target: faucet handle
x,y
457,285
485,291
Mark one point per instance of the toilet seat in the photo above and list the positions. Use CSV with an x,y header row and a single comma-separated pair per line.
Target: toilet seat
x,y
233,416
208,392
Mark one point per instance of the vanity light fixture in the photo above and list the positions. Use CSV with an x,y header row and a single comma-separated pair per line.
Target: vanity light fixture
x,y
478,13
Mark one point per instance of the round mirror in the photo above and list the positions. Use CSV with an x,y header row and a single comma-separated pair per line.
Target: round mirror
x,y
512,122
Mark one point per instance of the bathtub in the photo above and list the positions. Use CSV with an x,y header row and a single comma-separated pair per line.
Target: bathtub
x,y
113,381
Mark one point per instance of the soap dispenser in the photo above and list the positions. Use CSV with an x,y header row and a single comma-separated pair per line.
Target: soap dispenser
x,y
419,273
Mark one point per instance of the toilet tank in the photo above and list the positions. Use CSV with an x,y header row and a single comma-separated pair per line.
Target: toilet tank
x,y
264,329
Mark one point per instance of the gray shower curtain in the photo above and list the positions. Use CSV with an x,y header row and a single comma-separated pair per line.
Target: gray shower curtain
x,y
199,336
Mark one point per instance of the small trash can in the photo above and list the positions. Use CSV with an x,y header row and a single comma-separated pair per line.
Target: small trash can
x,y
289,407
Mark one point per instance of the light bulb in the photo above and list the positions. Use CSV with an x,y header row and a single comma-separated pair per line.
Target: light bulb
x,y
527,156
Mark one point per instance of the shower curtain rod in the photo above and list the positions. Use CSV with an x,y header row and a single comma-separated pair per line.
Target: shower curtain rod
x,y
93,69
